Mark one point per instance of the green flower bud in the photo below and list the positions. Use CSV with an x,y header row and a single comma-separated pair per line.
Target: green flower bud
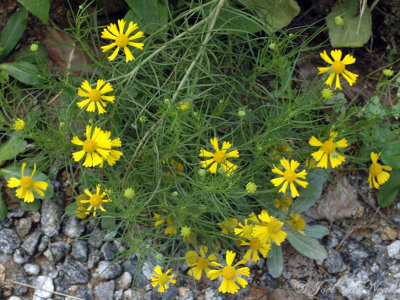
x,y
387,72
129,193
159,257
272,46
175,194
251,187
339,21
241,113
202,172
34,47
327,93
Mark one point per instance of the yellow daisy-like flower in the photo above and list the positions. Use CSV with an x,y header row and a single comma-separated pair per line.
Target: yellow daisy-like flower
x,y
219,157
27,185
95,200
338,67
199,263
161,279
269,229
289,176
171,229
377,176
255,246
230,273
19,124
328,151
296,222
95,97
284,203
244,230
121,39
228,225
97,147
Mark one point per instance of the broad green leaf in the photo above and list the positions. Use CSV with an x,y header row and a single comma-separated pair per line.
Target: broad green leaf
x,y
15,171
388,192
11,148
346,35
13,31
3,209
35,205
316,231
275,261
26,55
232,18
390,156
39,8
306,245
22,71
70,209
275,14
310,195
150,15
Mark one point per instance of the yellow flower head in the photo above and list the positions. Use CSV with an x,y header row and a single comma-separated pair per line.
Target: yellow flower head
x,y
289,176
95,200
171,228
296,222
199,263
328,151
270,228
95,97
81,209
255,246
338,67
184,105
284,203
228,225
27,185
230,274
97,147
219,157
161,279
187,234
19,124
377,175
121,39
244,230
251,187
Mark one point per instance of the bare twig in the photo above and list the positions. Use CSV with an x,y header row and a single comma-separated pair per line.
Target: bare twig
x,y
373,5
363,6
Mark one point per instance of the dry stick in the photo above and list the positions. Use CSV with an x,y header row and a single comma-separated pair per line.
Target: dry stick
x,y
38,288
363,6
373,5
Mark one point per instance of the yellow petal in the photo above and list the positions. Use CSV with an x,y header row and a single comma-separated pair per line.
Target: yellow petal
x,y
315,142
336,54
214,143
326,58
13,182
205,153
348,60
128,54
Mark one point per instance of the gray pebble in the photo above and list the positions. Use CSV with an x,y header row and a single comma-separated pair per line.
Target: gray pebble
x,y
52,210
118,295
24,226
94,258
9,241
46,286
16,212
20,257
44,243
49,270
35,216
125,281
5,258
79,250
74,271
108,270
31,243
393,250
213,294
61,287
14,298
96,238
105,290
32,269
72,228
84,293
59,250
109,251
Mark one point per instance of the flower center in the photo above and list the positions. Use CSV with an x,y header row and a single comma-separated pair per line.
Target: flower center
x,y
94,95
229,272
163,279
375,169
95,200
247,230
328,147
122,40
274,227
202,263
89,145
255,244
289,175
26,182
338,67
219,156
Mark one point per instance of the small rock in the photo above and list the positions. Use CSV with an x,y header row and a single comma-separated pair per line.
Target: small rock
x,y
16,212
61,287
49,270
31,243
352,287
52,210
147,269
185,294
5,258
74,271
96,238
20,257
44,243
32,269
59,250
14,298
72,228
388,233
109,251
79,250
128,295
46,286
24,226
393,250
212,294
108,270
376,239
9,241
124,282
35,215
15,272
94,258
118,295
334,262
84,293
105,290
333,239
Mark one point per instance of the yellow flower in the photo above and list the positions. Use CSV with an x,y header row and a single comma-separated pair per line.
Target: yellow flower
x,y
255,246
228,225
184,105
377,176
27,185
122,40
297,222
97,147
19,124
230,273
161,279
251,187
328,151
289,177
284,203
338,67
219,157
269,229
171,229
199,263
245,229
186,232
81,209
95,200
95,97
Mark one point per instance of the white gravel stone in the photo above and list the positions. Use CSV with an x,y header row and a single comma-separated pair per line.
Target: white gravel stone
x,y
32,269
393,250
124,282
46,287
